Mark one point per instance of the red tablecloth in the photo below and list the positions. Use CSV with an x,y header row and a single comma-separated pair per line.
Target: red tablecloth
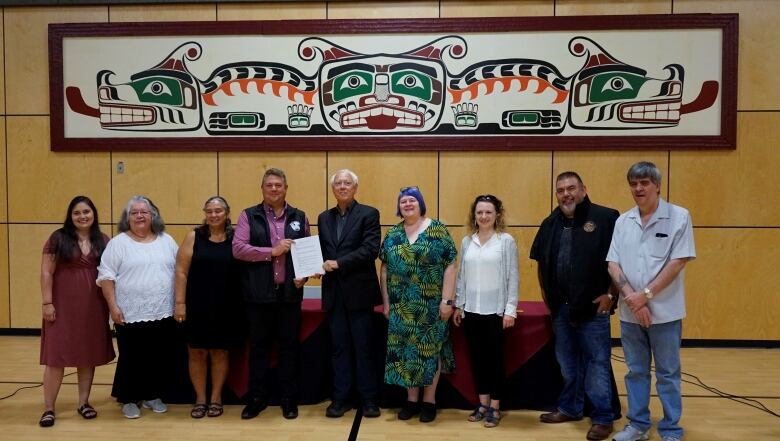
x,y
238,376
531,332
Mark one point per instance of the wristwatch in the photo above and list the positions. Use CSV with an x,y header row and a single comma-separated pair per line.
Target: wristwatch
x,y
649,294
448,302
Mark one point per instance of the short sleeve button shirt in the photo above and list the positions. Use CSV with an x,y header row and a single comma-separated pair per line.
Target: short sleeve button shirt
x,y
643,252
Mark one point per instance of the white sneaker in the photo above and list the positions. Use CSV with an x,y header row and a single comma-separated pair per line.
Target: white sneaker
x,y
629,433
156,405
131,410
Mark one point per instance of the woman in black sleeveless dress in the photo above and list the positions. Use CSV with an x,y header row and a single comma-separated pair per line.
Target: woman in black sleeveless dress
x,y
208,302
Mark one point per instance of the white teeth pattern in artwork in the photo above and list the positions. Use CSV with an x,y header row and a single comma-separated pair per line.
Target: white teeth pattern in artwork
x,y
124,115
359,118
652,112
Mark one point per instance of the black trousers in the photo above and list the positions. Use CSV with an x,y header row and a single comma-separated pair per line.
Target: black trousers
x,y
351,336
485,338
271,323
146,356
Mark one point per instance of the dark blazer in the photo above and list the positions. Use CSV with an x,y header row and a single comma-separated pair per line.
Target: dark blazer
x,y
355,279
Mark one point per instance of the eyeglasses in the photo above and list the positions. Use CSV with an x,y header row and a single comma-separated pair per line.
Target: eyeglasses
x,y
413,187
140,213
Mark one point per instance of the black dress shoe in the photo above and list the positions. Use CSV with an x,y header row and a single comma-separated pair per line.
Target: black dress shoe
x,y
289,409
557,417
370,409
337,409
253,409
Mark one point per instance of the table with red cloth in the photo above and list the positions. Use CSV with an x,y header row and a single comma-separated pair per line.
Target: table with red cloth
x,y
533,376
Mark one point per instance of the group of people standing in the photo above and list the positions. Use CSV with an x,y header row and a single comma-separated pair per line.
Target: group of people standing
x,y
589,257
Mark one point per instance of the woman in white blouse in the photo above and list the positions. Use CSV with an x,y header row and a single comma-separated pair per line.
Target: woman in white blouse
x,y
136,274
486,298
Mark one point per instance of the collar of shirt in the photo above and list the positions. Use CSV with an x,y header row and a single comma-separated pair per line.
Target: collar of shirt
x,y
475,239
662,212
349,209
269,211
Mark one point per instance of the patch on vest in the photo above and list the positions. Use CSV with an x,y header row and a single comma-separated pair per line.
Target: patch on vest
x,y
589,227
295,225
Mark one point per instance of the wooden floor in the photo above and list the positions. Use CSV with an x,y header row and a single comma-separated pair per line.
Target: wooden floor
x,y
748,372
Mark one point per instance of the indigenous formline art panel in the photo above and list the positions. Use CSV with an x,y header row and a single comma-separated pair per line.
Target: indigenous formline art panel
x,y
387,88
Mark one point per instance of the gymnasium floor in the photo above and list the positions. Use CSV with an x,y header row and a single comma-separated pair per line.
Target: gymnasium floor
x,y
752,373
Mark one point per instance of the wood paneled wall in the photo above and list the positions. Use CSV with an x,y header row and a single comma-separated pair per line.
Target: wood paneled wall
x,y
730,287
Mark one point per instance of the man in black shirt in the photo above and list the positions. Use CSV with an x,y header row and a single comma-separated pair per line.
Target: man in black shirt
x,y
571,249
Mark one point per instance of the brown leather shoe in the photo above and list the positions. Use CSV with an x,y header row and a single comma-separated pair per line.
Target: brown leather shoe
x,y
599,431
556,417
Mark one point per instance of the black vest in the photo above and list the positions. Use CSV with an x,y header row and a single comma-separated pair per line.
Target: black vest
x,y
257,281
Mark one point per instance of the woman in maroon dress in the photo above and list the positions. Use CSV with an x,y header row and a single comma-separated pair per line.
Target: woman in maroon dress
x,y
75,330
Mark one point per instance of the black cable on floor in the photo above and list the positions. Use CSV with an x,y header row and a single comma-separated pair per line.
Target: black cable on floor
x,y
697,382
36,385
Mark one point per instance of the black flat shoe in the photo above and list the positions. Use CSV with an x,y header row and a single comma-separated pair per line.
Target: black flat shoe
x,y
427,412
409,410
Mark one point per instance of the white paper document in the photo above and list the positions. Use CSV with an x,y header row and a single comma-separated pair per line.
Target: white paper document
x,y
307,257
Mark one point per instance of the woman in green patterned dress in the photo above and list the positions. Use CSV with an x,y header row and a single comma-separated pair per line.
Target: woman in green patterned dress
x,y
418,287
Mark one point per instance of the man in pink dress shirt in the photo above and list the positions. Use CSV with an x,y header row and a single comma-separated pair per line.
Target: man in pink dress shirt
x,y
262,239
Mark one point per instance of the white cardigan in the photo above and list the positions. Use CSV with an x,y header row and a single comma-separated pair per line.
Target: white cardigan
x,y
506,302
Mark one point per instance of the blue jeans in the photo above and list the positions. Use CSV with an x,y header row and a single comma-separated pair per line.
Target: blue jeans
x,y
583,351
660,342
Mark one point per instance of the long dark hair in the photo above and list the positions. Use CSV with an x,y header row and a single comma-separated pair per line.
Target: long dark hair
x,y
66,243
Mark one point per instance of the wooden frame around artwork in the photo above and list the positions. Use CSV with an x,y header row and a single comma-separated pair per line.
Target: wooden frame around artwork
x,y
328,138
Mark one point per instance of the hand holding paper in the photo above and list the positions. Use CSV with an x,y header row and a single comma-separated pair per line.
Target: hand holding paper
x,y
307,256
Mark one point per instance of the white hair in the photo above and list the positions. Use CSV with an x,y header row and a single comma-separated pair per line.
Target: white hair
x,y
347,171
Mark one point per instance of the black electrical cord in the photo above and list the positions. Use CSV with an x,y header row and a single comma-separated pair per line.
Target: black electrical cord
x,y
36,385
697,382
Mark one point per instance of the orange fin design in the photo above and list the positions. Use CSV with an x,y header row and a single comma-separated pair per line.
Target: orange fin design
x,y
506,83
276,88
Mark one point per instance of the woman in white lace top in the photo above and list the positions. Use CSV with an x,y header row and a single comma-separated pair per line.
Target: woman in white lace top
x,y
136,274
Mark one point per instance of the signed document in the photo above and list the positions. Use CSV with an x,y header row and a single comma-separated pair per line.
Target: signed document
x,y
307,257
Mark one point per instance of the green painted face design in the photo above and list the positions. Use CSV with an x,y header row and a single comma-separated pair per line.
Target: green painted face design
x,y
411,83
159,90
615,86
352,83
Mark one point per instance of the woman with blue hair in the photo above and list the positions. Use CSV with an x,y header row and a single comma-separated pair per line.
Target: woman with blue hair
x,y
418,290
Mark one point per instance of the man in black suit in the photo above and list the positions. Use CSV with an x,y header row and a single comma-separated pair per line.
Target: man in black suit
x,y
349,237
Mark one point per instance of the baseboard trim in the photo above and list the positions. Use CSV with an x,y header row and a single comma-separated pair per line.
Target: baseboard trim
x,y
20,331
686,343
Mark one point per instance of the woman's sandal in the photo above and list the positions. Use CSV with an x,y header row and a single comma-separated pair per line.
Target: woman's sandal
x,y
492,417
478,413
47,419
215,410
198,411
87,411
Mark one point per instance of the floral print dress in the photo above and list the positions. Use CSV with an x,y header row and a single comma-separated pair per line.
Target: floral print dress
x,y
416,337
